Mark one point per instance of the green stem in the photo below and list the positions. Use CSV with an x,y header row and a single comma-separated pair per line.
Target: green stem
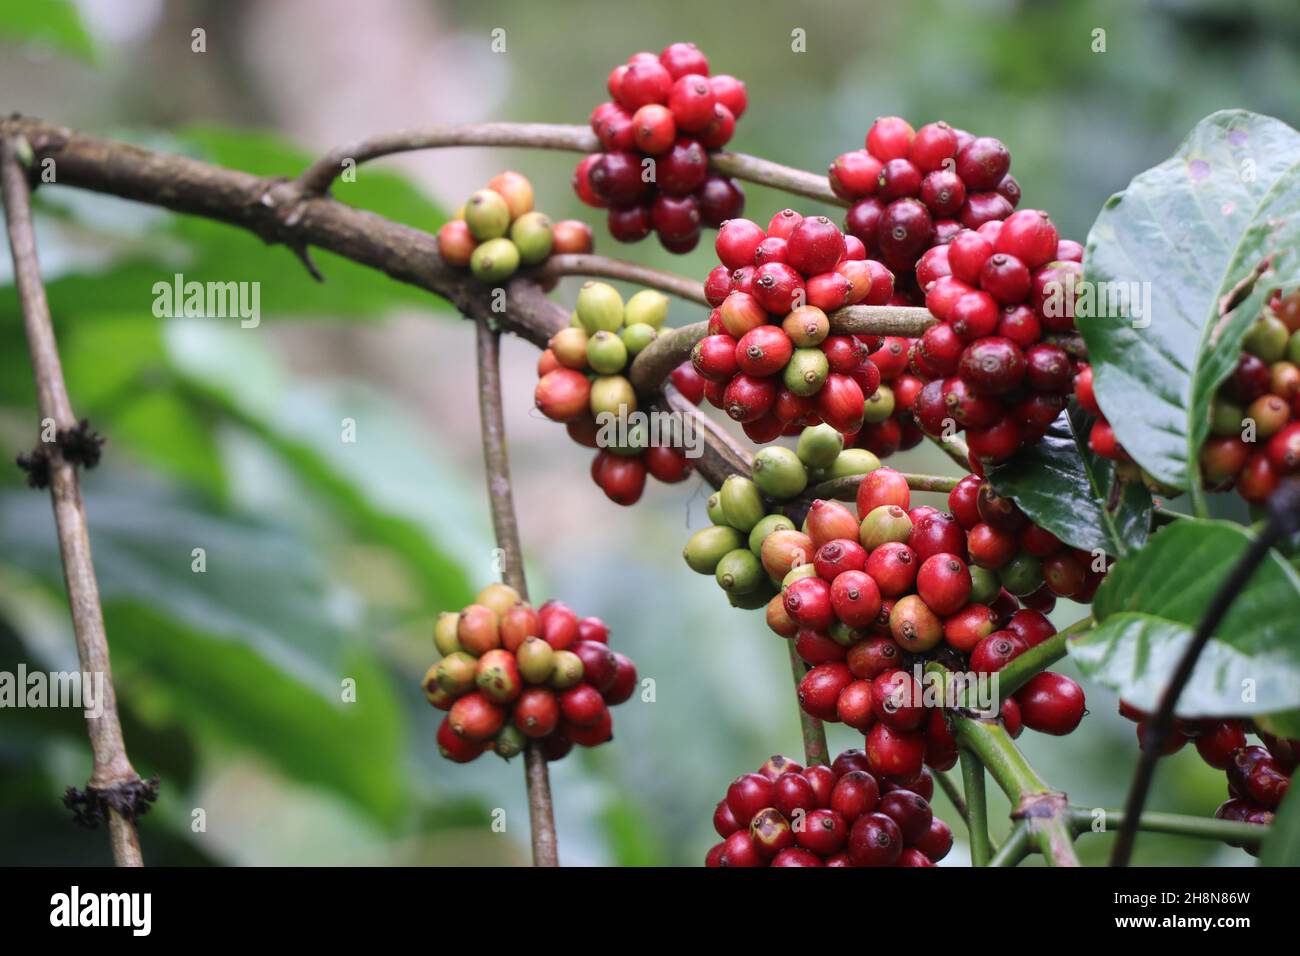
x,y
954,795
815,750
1038,658
1178,824
1015,849
972,775
954,448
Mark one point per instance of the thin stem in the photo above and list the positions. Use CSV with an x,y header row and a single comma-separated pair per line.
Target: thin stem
x,y
541,812
972,775
953,793
1284,519
815,750
1016,848
603,267
1178,824
954,448
111,769
846,488
1038,658
751,169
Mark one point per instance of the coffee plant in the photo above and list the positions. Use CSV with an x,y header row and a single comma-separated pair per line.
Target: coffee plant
x,y
1095,397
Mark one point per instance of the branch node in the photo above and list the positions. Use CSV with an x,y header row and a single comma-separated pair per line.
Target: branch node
x,y
79,445
130,799
1041,806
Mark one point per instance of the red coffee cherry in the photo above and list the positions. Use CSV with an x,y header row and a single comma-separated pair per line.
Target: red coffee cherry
x,y
875,840
1051,703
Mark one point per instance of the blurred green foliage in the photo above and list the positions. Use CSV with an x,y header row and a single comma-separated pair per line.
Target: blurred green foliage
x,y
327,561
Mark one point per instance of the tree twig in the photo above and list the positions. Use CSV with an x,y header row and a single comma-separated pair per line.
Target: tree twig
x,y
541,812
114,788
604,267
1283,519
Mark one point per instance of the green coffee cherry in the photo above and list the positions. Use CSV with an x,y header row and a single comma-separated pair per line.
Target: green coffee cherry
x,y
536,660
884,524
648,306
708,546
613,394
567,671
509,742
739,571
456,673
1022,575
1267,338
853,461
779,473
806,372
879,406
1293,347
984,585
531,233
606,353
637,335
819,446
494,260
766,526
575,322
487,215
750,600
1225,417
742,504
846,636
802,571
714,507
600,307
444,633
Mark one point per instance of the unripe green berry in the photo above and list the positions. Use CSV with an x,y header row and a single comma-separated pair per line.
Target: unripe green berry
x,y
1022,575
444,633
714,508
1225,417
600,307
487,215
779,473
494,260
613,394
456,673
879,405
884,524
509,742
802,571
853,461
1267,338
819,446
636,336
750,600
766,526
567,671
739,571
536,660
806,372
606,353
708,545
742,504
984,585
846,636
649,306
531,233
1293,347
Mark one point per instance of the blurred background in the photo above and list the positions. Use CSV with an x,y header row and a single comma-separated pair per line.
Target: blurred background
x,y
329,560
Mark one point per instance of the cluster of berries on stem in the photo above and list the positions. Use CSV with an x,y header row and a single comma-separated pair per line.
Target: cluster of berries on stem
x,y
842,815
664,115
511,673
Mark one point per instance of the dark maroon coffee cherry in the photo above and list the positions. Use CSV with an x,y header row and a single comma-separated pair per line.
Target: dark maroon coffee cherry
x,y
910,811
1005,278
1218,745
855,793
903,232
748,794
681,170
992,366
793,794
721,199
850,760
824,832
797,856
739,849
724,821
1051,703
675,217
898,178
822,779
982,163
875,840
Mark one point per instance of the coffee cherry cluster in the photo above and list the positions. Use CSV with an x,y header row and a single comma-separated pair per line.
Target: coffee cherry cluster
x,y
841,815
998,291
581,382
769,360
497,230
511,673
664,115
1258,776
744,514
915,189
1030,562
1254,437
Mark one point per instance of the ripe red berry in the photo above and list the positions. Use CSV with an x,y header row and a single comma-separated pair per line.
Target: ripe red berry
x,y
903,232
748,794
1051,703
936,842
1029,236
838,556
992,366
623,479
724,821
893,565
898,178
644,82
682,58
884,486
476,718
582,705
983,208
778,287
856,792
855,597
840,403
910,811
944,583
855,174
793,794
982,163
875,840
894,753
1033,627
996,651
739,849
932,145
1218,744
830,520
820,689
890,137
872,657
937,533
730,92
763,350
824,832
1005,277
814,246
691,100
896,700
454,747
808,602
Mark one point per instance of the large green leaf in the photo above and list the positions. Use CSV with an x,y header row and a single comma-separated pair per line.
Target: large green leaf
x,y
1073,493
1282,848
257,646
1189,232
1150,604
